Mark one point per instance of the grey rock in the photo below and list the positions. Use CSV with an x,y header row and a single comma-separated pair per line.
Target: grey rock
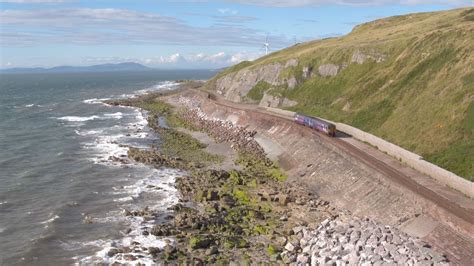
x,y
212,250
303,259
297,229
307,72
307,249
290,247
291,63
328,70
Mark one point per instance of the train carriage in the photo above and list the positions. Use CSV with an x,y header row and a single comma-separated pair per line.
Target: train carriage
x,y
315,123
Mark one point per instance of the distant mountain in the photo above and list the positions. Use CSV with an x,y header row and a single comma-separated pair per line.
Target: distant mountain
x,y
81,69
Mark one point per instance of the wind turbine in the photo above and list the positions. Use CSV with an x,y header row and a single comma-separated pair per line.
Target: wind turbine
x,y
266,45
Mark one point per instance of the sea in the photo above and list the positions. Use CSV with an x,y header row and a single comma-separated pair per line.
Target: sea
x,y
65,179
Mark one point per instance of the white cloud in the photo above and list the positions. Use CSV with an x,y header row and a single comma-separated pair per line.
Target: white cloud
x,y
226,11
112,26
299,3
199,60
34,1
174,58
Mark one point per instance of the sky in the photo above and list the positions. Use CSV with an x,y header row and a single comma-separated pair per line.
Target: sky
x,y
179,33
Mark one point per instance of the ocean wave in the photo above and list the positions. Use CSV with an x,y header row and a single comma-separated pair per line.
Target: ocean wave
x,y
2,229
106,149
165,85
33,105
78,118
117,115
96,101
88,132
158,182
76,245
50,220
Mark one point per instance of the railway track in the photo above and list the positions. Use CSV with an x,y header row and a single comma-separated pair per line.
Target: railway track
x,y
390,171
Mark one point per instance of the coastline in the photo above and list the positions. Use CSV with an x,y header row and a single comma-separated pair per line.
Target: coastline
x,y
246,213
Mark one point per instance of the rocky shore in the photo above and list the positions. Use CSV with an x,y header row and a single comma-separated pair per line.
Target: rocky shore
x,y
252,215
349,240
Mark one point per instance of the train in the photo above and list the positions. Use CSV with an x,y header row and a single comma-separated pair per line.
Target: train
x,y
315,123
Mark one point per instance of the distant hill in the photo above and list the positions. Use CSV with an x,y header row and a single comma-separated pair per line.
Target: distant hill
x,y
408,79
81,69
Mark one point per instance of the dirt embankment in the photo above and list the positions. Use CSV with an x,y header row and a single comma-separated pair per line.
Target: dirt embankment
x,y
347,183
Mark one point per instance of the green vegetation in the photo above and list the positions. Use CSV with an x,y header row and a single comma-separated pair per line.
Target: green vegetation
x,y
413,84
175,143
256,93
272,250
241,196
256,167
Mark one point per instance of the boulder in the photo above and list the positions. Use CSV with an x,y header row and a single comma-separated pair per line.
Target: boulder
x,y
328,70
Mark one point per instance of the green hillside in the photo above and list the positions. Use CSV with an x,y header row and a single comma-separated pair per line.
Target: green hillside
x,y
408,79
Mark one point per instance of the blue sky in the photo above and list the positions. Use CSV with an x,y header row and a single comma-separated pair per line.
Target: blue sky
x,y
178,33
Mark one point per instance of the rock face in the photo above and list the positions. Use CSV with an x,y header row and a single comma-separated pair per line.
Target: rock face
x,y
235,86
292,82
307,72
353,241
269,101
328,70
275,101
359,58
291,63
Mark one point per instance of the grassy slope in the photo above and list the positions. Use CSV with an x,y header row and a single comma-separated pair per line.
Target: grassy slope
x,y
420,97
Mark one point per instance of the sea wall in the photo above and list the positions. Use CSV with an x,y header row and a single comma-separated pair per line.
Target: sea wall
x,y
413,160
320,164
323,168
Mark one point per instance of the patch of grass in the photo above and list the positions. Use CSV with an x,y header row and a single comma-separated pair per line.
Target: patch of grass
x,y
468,122
456,158
237,67
157,107
272,250
175,143
256,93
184,146
255,167
241,196
277,174
468,80
260,229
374,114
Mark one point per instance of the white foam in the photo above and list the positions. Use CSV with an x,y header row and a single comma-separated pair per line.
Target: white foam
x,y
96,101
49,221
88,132
108,219
105,147
3,202
124,199
2,229
76,245
117,115
32,105
162,86
158,178
78,118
